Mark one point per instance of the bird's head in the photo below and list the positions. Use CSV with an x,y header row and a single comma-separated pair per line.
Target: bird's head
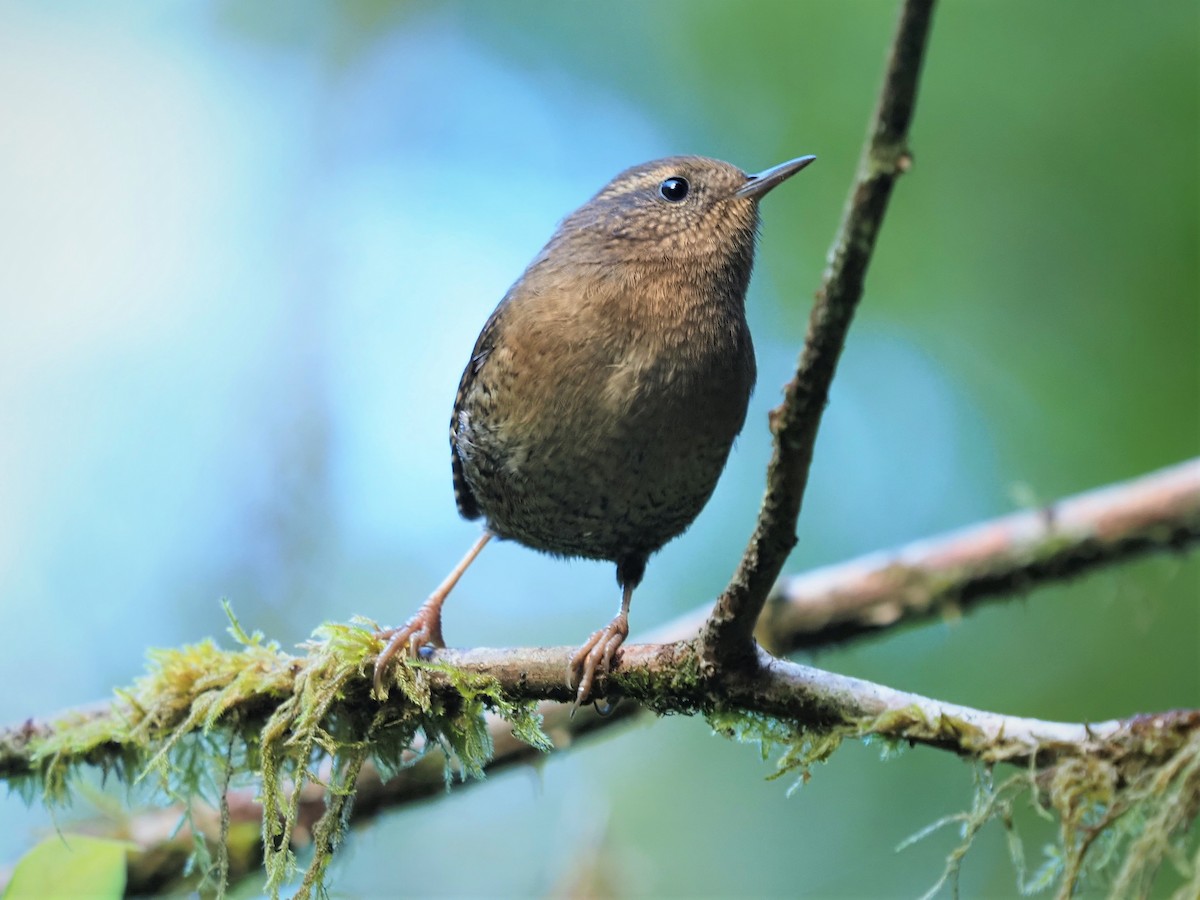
x,y
677,208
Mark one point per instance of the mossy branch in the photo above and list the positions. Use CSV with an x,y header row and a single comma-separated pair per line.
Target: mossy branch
x,y
278,709
946,574
305,721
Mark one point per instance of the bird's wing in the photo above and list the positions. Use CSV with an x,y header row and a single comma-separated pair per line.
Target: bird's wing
x,y
468,506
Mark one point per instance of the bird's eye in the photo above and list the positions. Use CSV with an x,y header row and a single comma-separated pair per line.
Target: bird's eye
x,y
673,189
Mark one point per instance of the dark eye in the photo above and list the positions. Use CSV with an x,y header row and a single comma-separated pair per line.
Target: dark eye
x,y
674,189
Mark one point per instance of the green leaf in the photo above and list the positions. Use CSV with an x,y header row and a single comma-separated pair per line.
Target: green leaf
x,y
70,865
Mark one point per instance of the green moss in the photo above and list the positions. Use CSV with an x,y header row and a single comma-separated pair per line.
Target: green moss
x,y
799,748
681,693
204,719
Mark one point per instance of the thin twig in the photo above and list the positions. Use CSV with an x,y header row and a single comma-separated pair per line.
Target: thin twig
x,y
727,638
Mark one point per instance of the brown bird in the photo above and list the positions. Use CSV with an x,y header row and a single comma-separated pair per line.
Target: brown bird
x,y
603,395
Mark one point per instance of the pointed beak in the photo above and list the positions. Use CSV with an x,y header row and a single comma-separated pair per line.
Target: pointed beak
x,y
757,185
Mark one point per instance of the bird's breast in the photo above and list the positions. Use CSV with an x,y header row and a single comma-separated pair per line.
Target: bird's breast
x,y
600,427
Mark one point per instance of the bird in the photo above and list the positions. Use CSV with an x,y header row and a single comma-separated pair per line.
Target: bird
x,y
603,396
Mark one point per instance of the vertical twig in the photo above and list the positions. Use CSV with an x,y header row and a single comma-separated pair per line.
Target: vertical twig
x,y
727,636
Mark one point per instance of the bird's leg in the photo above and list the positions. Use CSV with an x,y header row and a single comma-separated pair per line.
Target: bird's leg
x,y
425,627
595,657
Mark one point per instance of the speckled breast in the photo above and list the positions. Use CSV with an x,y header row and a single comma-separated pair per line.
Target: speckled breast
x,y
602,470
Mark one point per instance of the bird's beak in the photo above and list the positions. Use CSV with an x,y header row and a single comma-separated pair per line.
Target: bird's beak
x,y
757,185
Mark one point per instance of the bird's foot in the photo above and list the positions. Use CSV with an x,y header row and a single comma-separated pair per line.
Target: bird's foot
x,y
595,658
425,627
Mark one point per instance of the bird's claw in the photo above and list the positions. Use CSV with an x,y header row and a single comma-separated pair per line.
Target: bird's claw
x,y
423,628
595,658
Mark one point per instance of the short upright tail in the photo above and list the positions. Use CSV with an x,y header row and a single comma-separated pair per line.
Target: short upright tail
x,y
468,506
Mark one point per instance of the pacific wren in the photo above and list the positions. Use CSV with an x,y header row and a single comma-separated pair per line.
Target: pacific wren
x,y
604,393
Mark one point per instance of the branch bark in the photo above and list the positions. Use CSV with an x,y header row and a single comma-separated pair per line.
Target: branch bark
x,y
727,639
998,559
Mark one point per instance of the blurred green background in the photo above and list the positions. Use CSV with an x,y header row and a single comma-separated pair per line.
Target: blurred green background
x,y
246,249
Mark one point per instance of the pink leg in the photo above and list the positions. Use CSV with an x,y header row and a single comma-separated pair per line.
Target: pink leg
x,y
595,657
425,627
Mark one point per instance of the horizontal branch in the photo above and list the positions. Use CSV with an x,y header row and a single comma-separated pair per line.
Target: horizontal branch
x,y
951,572
997,559
813,699
651,674
959,570
954,571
